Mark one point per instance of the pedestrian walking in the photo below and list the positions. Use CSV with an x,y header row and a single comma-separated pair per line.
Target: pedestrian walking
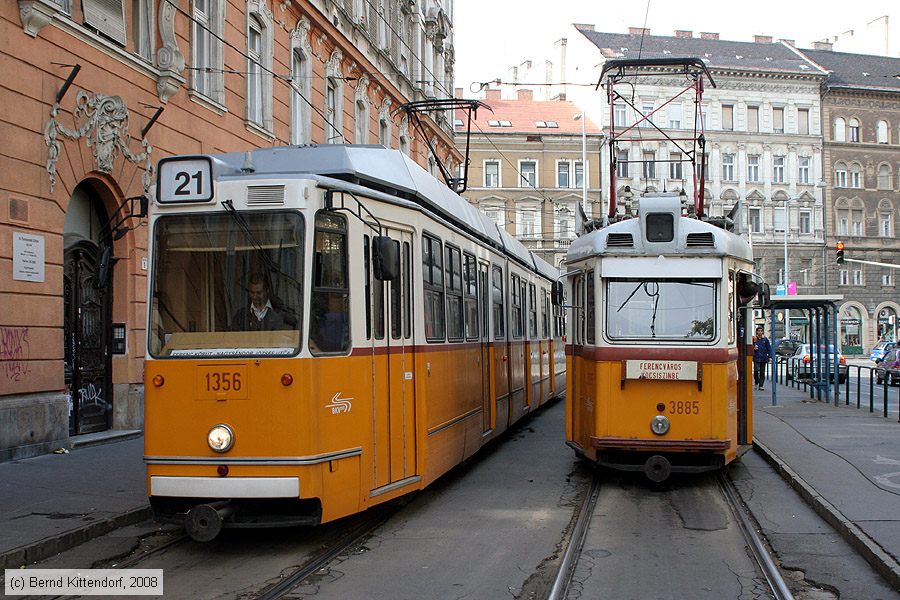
x,y
762,354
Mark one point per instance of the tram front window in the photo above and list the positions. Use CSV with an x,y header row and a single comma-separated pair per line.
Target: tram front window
x,y
661,310
227,285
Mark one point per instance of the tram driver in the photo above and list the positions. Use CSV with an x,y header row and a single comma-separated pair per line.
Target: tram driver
x,y
260,315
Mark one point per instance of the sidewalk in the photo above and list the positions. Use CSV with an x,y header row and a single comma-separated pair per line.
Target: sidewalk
x,y
57,501
845,462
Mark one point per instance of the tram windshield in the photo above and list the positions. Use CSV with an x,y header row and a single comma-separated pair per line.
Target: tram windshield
x,y
661,309
227,285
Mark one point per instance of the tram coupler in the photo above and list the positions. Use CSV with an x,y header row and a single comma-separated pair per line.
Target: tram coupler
x,y
657,468
204,521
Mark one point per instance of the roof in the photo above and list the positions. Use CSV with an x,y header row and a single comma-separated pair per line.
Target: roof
x,y
717,54
866,71
525,115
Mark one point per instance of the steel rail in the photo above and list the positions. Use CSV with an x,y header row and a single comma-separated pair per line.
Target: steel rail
x,y
760,552
576,543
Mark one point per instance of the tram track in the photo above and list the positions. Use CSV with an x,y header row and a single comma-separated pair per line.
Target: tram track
x,y
758,548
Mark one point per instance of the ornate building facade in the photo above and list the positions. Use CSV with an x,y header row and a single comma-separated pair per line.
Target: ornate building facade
x,y
95,92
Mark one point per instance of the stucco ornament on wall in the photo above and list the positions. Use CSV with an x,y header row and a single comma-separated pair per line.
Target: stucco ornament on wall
x,y
105,129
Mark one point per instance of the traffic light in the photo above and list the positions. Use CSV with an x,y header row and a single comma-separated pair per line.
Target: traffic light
x,y
840,253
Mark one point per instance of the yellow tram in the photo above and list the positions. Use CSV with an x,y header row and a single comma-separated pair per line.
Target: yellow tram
x,y
329,328
659,355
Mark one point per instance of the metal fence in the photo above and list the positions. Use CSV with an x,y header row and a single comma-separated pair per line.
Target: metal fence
x,y
860,384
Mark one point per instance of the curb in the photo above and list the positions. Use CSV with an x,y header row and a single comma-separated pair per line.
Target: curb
x,y
105,437
885,564
47,547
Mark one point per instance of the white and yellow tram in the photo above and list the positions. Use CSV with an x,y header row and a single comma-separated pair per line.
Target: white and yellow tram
x,y
659,370
329,328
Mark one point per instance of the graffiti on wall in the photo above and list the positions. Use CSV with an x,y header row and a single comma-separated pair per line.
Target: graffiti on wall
x,y
14,352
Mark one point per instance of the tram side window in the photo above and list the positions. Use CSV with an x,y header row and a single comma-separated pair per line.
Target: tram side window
x,y
589,306
368,284
545,314
433,278
407,291
578,301
453,267
329,320
470,293
532,311
499,312
515,307
396,303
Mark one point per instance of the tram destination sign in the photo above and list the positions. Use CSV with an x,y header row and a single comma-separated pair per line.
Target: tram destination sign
x,y
671,370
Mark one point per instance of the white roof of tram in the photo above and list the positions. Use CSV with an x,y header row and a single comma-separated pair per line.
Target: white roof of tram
x,y
385,170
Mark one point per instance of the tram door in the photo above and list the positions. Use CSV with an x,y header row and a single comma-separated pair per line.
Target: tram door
x,y
395,410
484,311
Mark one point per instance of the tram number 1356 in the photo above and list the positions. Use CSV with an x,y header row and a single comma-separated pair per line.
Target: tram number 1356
x,y
684,407
223,382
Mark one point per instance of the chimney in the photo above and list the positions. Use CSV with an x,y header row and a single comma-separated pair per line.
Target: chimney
x,y
583,26
683,33
762,39
457,92
639,31
823,45
525,95
790,43
705,35
492,94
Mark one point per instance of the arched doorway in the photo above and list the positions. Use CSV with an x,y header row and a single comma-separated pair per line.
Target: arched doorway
x,y
87,295
887,324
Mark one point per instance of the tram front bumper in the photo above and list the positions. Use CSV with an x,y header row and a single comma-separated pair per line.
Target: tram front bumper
x,y
667,445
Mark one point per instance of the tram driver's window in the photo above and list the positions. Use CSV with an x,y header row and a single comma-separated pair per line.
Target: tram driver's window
x,y
329,321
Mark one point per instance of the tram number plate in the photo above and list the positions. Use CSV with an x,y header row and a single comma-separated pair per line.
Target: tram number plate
x,y
222,382
662,370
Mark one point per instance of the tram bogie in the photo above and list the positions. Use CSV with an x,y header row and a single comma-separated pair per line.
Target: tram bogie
x,y
329,329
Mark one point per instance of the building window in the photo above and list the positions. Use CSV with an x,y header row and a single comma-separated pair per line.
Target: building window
x,y
840,130
856,224
844,277
753,168
492,174
753,119
362,121
383,135
649,166
755,216
887,279
805,221
855,176
675,169
141,20
331,111
778,119
854,130
562,174
728,117
728,167
565,223
707,176
301,86
619,115
646,109
495,214
840,175
886,225
806,271
881,132
579,174
858,277
778,169
622,163
526,222
254,71
803,169
803,121
704,110
675,116
843,222
884,177
528,174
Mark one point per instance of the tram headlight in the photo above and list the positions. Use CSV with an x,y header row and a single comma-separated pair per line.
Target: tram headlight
x,y
220,438
659,425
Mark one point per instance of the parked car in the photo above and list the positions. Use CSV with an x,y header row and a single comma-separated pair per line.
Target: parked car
x,y
802,359
786,346
879,350
889,367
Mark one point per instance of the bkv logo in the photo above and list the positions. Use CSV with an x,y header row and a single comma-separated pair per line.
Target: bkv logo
x,y
339,405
